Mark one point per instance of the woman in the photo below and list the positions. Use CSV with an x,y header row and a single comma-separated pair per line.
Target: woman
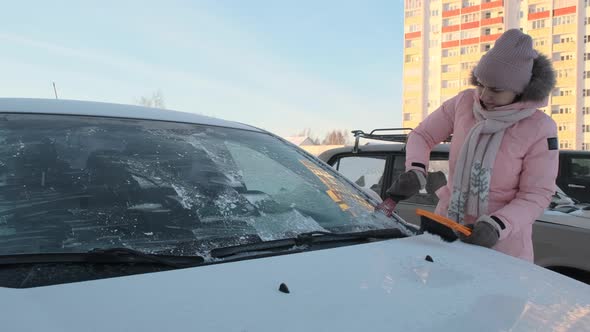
x,y
503,156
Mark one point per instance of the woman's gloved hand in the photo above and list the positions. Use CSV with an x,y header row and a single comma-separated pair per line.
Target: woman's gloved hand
x,y
407,185
485,232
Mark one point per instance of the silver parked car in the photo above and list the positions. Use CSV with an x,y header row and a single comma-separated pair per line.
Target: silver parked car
x,y
561,235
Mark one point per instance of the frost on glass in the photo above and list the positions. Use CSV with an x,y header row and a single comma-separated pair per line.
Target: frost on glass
x,y
71,184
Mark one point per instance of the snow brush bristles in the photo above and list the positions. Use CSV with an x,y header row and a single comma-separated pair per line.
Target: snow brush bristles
x,y
441,226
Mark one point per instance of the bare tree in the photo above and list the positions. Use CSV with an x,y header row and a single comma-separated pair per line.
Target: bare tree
x,y
336,137
156,100
308,133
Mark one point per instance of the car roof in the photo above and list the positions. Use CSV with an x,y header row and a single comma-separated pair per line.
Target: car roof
x,y
399,147
90,108
574,152
370,148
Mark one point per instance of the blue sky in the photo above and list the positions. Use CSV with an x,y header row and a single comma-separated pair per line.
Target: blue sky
x,y
281,65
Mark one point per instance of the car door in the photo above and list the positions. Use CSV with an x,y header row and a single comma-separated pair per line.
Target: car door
x,y
576,176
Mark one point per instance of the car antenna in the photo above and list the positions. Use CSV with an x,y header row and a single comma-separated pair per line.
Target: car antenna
x,y
55,90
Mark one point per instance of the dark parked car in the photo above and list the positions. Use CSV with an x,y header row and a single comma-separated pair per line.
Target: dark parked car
x,y
574,174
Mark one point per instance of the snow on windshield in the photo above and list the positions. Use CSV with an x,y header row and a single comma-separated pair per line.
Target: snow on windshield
x,y
75,183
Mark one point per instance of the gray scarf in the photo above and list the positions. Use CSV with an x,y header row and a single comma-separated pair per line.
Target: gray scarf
x,y
473,170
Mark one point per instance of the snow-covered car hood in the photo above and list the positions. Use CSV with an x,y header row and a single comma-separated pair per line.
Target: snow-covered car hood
x,y
381,286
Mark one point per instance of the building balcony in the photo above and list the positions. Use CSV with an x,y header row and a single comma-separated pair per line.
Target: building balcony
x,y
564,64
564,11
538,33
473,57
451,28
451,75
492,21
539,15
564,47
450,13
563,100
490,38
567,81
492,4
450,91
564,28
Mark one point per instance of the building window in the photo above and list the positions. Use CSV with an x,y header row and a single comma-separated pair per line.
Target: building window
x,y
536,9
450,52
568,19
450,36
540,42
563,92
407,116
413,4
450,84
586,146
586,56
564,56
471,33
469,49
586,110
468,65
586,92
565,144
412,58
450,6
470,18
565,110
568,72
563,39
585,128
413,13
538,24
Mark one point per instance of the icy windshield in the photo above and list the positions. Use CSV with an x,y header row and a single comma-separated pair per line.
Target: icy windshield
x,y
72,183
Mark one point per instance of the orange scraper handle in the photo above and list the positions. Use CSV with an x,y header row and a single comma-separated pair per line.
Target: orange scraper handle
x,y
445,221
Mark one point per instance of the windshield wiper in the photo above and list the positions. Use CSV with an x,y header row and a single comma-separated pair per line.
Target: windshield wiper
x,y
103,256
308,238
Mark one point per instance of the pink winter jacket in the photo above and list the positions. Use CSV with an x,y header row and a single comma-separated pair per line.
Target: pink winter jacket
x,y
523,175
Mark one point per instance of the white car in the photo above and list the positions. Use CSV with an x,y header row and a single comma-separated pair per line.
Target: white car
x,y
123,218
561,236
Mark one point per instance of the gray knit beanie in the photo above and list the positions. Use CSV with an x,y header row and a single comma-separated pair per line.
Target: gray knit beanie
x,y
508,65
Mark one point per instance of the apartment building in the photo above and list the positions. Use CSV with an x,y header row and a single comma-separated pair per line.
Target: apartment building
x,y
444,40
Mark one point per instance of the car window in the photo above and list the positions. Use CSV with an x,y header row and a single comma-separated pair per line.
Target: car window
x,y
438,173
365,171
73,183
579,168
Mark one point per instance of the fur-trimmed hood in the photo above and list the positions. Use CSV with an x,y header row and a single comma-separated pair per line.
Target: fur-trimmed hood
x,y
541,83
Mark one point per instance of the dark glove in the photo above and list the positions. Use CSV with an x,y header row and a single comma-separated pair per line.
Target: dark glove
x,y
407,185
485,232
434,181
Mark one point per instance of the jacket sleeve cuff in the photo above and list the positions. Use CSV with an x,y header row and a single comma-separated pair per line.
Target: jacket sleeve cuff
x,y
502,227
421,177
